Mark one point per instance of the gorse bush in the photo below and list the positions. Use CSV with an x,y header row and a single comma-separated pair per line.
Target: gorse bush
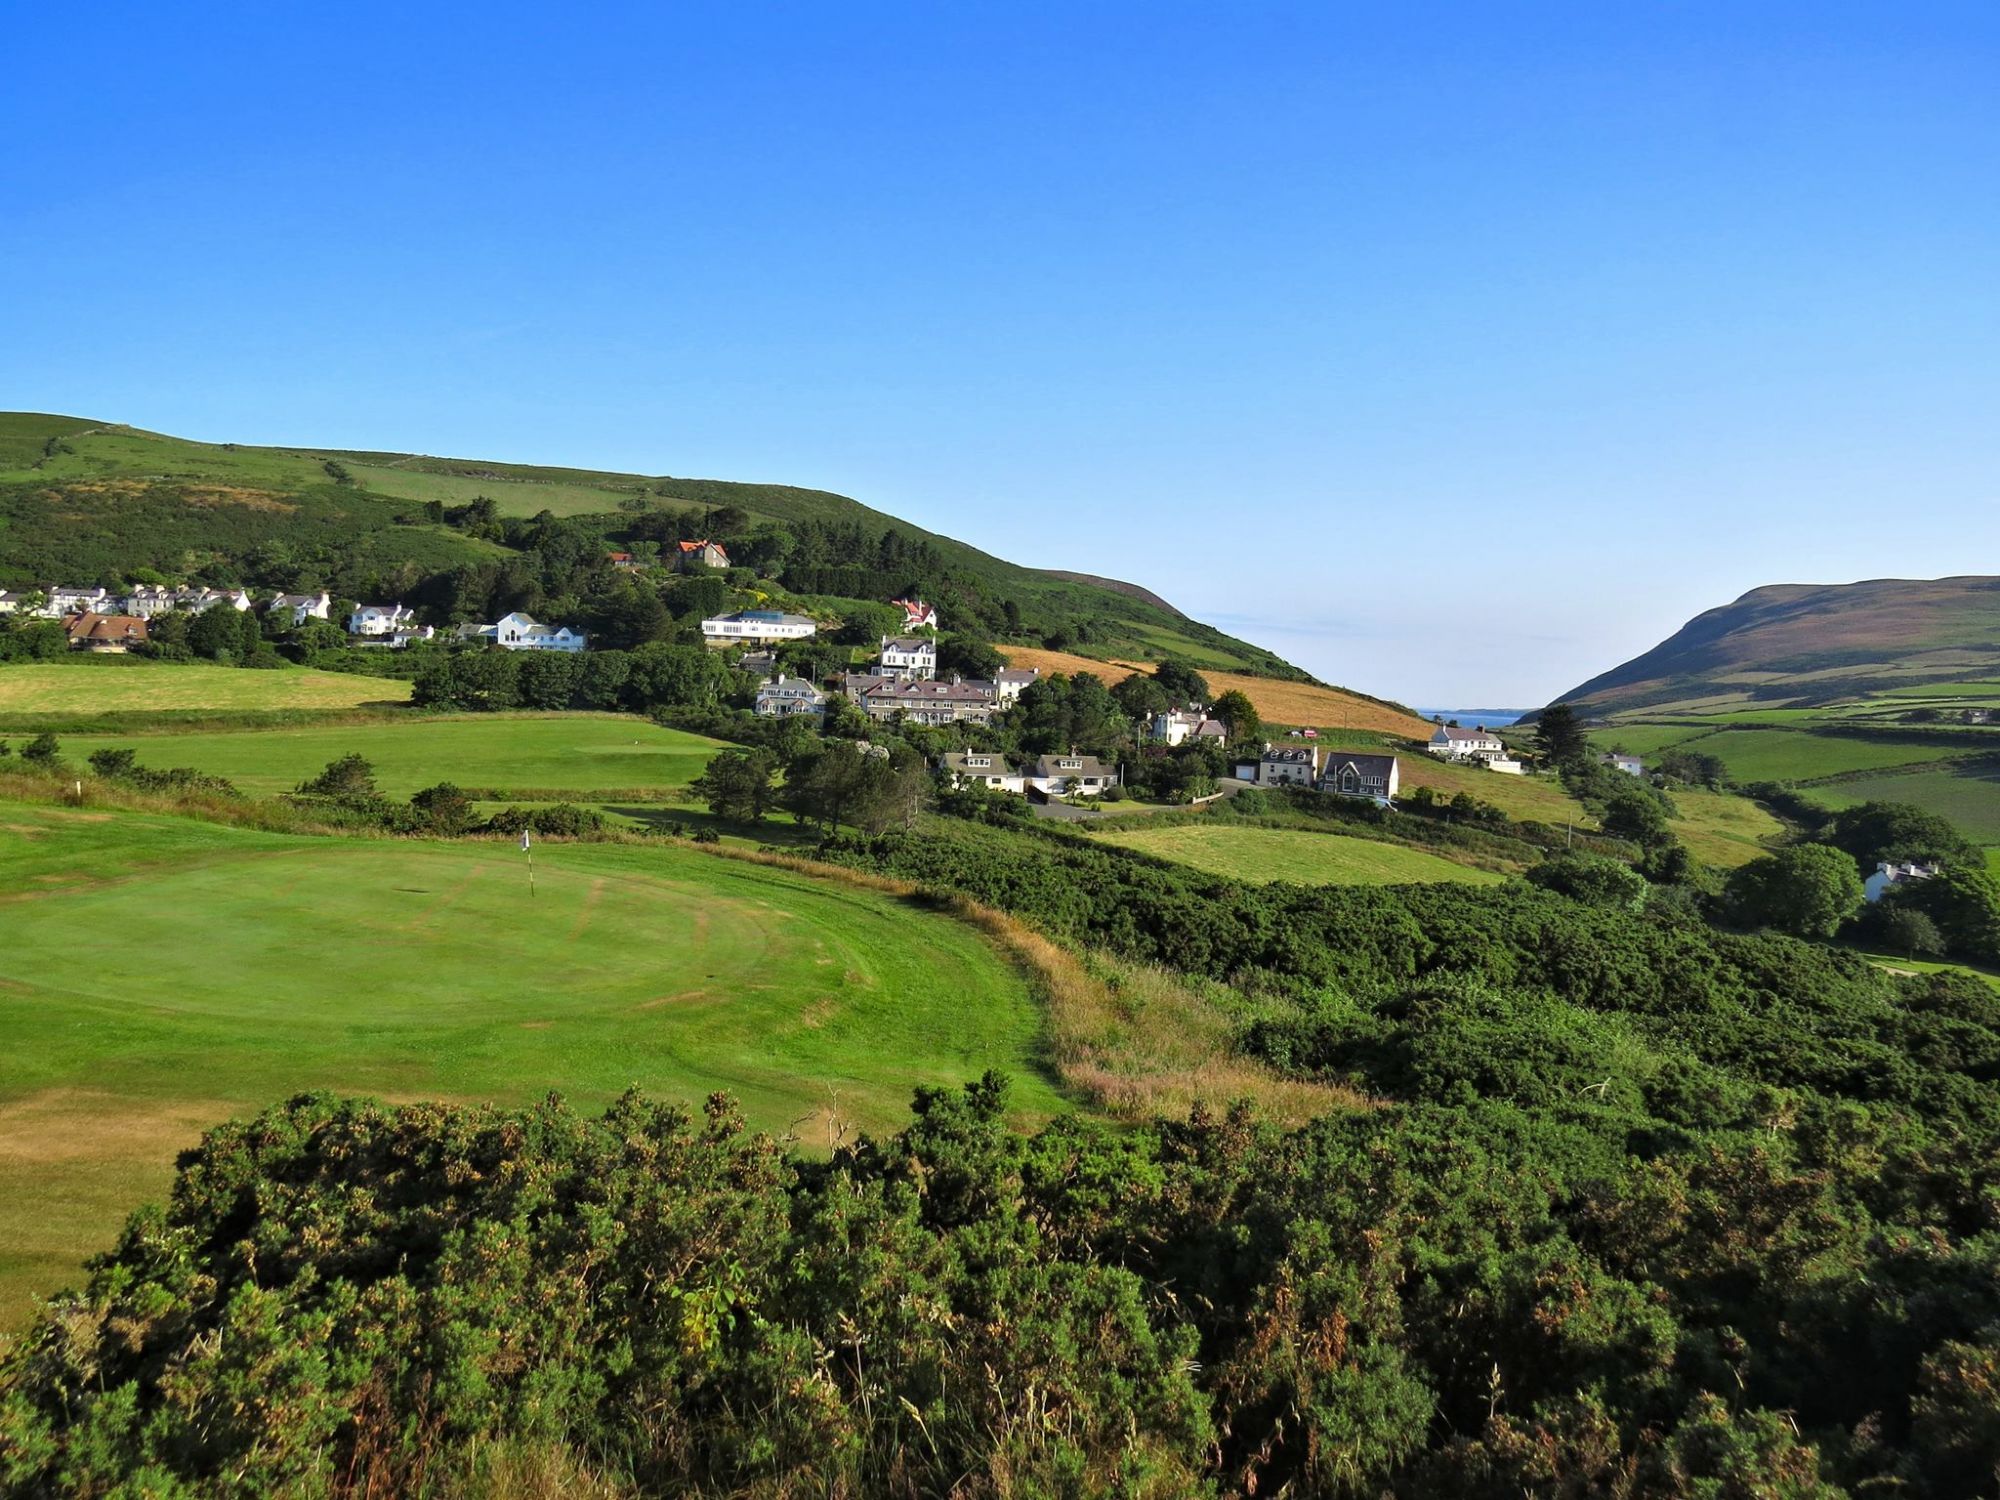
x,y
1438,1300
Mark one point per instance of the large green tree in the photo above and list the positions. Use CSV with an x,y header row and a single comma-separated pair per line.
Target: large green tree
x,y
737,784
1807,890
1559,739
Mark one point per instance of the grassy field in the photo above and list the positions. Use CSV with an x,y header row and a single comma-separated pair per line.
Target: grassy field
x,y
1782,755
1648,739
1279,702
161,974
578,755
126,685
1722,829
1968,795
1269,854
1537,798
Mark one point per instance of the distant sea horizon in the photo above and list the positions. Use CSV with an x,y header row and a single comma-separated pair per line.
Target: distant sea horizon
x,y
1492,718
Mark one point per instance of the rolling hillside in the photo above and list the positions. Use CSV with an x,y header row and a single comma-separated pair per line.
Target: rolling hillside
x,y
82,500
1806,645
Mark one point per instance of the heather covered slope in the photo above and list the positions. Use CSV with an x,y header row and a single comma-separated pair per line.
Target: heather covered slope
x,y
1809,644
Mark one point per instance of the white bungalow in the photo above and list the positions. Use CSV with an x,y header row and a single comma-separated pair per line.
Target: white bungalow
x,y
1070,775
984,768
521,631
765,625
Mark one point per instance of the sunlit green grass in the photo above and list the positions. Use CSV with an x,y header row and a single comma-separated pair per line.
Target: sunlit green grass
x,y
160,974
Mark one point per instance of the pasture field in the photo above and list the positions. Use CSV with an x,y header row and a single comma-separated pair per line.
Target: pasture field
x,y
110,685
526,757
1270,854
1536,798
1277,701
1722,829
161,974
1782,755
1968,795
1647,739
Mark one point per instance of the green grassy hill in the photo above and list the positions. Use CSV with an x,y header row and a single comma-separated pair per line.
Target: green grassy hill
x,y
1810,644
90,501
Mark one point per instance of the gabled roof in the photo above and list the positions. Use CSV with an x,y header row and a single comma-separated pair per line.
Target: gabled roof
x,y
90,626
996,764
1069,765
1370,766
1453,732
909,643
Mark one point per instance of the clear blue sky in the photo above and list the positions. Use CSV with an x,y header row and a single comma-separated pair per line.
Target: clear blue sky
x,y
1456,350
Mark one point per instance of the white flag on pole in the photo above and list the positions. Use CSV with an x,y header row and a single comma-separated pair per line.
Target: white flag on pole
x,y
524,840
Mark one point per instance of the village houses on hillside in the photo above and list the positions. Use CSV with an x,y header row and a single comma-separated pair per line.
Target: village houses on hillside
x,y
911,657
702,554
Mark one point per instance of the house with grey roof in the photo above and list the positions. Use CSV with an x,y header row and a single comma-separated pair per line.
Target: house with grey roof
x,y
909,656
1288,765
1454,743
785,697
982,768
761,625
1351,774
953,701
1008,682
1070,776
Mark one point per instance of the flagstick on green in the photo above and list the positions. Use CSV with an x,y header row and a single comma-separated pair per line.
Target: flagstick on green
x,y
528,848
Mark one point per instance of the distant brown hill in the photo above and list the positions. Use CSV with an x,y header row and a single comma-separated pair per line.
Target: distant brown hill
x,y
1811,643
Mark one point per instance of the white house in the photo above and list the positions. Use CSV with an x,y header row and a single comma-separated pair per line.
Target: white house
x,y
763,625
296,609
380,619
1889,875
1505,765
1008,682
76,601
1070,775
13,601
1631,765
1178,725
985,768
1465,744
1288,765
523,632
912,657
195,600
147,601
1374,777
787,697
917,615
399,639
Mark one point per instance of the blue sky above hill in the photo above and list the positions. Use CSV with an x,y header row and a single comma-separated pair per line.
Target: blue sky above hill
x,y
1457,351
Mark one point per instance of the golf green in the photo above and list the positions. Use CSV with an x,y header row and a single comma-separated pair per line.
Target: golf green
x,y
160,974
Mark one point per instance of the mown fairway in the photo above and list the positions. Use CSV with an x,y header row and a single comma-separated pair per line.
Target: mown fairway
x,y
120,686
160,974
1269,854
578,755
